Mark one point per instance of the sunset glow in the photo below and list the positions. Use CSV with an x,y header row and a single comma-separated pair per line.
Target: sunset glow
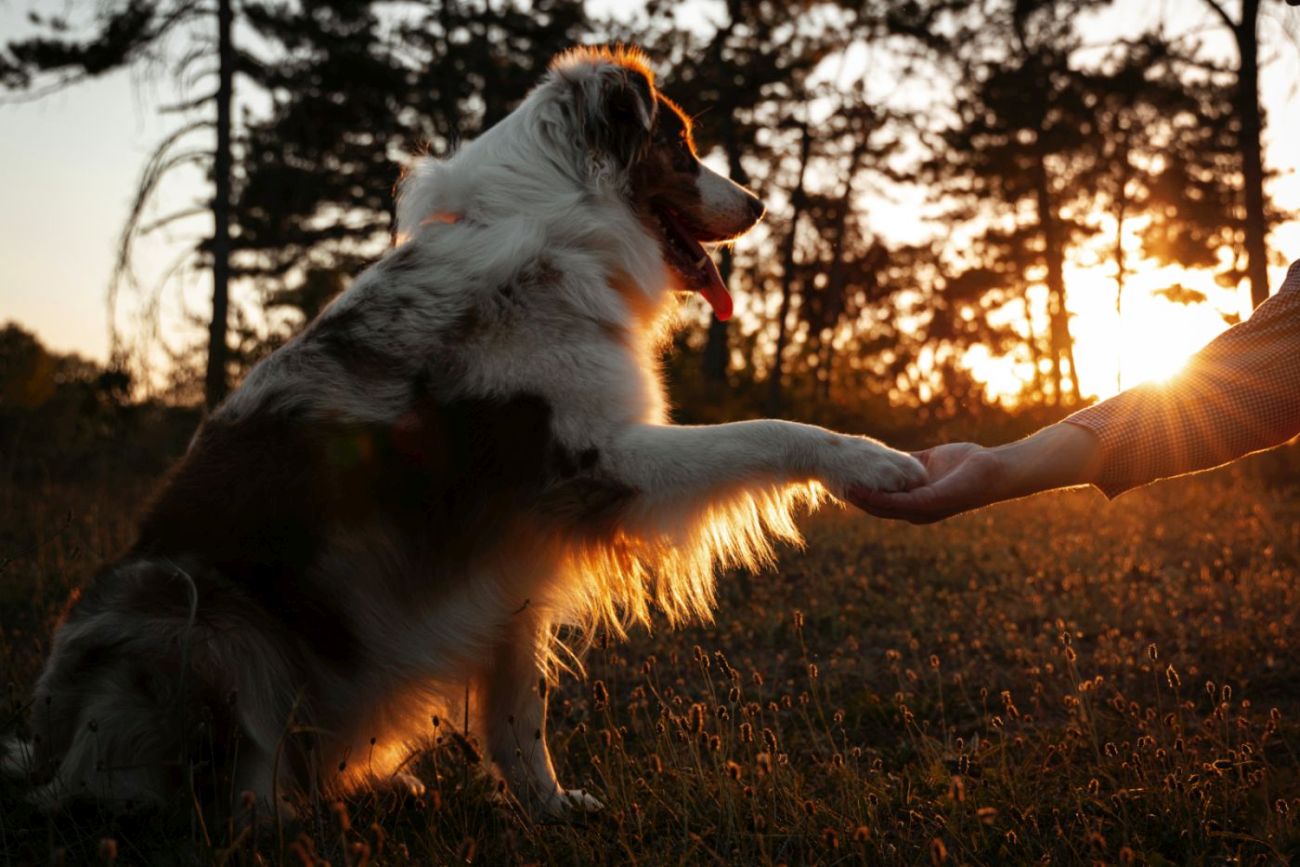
x,y
1150,340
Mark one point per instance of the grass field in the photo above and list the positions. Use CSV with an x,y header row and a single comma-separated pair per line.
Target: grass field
x,y
1058,681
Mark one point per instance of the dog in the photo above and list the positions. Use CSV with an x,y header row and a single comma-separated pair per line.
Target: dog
x,y
381,530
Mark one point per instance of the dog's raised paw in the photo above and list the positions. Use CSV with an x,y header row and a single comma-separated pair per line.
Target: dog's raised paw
x,y
862,463
903,472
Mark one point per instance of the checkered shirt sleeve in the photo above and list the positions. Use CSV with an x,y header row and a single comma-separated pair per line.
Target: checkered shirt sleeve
x,y
1239,394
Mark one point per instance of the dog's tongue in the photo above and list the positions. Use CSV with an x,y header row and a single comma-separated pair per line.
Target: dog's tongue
x,y
701,273
714,290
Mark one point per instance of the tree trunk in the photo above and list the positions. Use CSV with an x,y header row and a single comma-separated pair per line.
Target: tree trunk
x,y
1119,298
835,300
1067,350
1035,351
717,353
216,383
1121,266
716,349
1059,340
1252,159
827,367
787,275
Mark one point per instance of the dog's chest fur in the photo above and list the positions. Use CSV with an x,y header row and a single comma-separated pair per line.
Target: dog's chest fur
x,y
375,469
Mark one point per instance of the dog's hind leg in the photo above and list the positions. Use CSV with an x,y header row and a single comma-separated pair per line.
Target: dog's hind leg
x,y
123,746
514,710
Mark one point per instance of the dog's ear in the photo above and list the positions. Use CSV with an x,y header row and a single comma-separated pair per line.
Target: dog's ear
x,y
616,109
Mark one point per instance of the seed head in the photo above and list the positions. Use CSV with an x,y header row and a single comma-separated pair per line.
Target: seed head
x,y
341,815
697,719
107,849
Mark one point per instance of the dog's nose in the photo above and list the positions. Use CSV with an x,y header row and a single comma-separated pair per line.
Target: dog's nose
x,y
756,208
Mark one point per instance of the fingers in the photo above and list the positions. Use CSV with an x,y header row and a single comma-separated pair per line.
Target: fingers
x,y
917,506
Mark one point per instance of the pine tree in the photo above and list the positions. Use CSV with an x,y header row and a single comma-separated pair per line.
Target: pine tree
x,y
356,92
126,33
1245,33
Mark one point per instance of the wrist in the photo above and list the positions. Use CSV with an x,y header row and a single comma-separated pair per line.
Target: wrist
x,y
1062,455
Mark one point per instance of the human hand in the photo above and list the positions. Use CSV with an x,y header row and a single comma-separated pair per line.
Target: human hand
x,y
965,476
960,477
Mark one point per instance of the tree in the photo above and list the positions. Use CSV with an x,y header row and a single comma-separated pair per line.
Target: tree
x,y
354,94
843,272
1245,33
304,190
137,32
787,281
1022,136
1165,136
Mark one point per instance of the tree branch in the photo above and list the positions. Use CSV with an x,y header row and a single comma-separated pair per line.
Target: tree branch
x,y
1218,9
173,217
159,163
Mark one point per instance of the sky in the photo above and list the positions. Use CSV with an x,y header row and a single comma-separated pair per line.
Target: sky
x,y
69,164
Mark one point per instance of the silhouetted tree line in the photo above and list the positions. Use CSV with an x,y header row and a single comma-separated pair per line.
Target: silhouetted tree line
x,y
1027,141
64,417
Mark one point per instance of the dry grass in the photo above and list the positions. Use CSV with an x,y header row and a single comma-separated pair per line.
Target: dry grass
x,y
1058,680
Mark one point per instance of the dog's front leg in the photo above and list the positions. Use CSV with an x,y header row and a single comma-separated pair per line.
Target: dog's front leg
x,y
674,468
515,723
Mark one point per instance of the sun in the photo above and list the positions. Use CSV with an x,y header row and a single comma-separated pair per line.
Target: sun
x,y
1151,338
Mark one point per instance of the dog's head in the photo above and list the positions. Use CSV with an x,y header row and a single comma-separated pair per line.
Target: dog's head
x,y
636,137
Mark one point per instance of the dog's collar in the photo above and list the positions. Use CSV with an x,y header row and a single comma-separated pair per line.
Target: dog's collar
x,y
444,217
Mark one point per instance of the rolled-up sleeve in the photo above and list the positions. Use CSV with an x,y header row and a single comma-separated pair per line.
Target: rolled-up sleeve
x,y
1239,394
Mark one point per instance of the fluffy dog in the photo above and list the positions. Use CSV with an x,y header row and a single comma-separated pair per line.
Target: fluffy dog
x,y
389,518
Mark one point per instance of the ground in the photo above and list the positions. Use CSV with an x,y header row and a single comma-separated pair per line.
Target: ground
x,y
1062,680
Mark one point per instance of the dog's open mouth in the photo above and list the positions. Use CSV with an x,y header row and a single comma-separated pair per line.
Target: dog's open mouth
x,y
687,256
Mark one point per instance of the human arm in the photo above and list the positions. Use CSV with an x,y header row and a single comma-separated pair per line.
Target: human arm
x,y
1239,394
965,476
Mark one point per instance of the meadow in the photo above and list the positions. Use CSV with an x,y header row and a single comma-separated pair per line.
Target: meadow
x,y
1054,681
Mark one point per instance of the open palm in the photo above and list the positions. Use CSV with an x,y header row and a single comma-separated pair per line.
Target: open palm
x,y
962,476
